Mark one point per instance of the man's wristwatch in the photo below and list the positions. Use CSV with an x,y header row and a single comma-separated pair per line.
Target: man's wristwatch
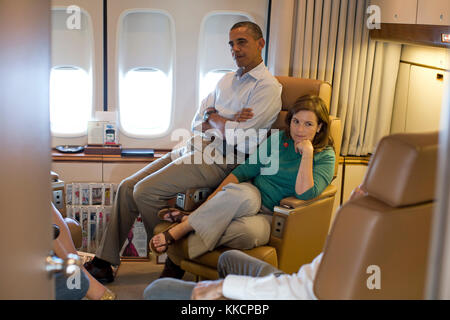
x,y
208,113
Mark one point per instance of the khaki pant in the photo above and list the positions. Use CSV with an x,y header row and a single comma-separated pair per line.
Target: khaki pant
x,y
147,191
234,217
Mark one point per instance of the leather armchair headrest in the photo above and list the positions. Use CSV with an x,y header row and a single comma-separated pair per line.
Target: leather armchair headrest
x,y
293,88
403,168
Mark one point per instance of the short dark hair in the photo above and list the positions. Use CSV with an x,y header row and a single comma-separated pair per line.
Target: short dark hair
x,y
313,103
254,29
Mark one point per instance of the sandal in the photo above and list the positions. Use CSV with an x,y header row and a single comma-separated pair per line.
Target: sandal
x,y
172,218
169,240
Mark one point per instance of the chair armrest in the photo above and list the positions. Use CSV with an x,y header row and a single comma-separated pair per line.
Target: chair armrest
x,y
299,233
293,202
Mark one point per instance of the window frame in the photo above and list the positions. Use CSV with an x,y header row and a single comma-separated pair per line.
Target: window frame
x,y
91,70
170,74
201,41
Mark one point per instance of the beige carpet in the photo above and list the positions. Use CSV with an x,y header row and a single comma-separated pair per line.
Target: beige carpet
x,y
133,277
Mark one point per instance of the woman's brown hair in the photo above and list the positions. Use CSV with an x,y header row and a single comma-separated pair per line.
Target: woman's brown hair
x,y
315,104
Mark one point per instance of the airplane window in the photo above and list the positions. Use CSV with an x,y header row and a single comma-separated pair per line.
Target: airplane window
x,y
146,49
70,100
214,53
71,77
209,82
145,102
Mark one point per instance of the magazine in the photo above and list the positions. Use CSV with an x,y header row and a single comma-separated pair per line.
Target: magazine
x,y
85,194
136,244
96,191
90,204
76,194
92,232
100,225
107,194
84,228
69,194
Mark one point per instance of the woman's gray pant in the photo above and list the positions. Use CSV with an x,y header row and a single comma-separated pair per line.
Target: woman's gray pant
x,y
217,221
230,262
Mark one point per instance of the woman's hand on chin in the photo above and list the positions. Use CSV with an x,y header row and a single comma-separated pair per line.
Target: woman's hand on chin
x,y
304,147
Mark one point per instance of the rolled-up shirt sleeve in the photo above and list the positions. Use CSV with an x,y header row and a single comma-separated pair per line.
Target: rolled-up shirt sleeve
x,y
298,286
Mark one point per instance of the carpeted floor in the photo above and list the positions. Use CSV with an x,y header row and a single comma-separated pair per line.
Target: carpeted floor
x,y
133,277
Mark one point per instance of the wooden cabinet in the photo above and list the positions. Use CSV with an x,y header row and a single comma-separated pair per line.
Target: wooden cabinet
x,y
435,12
97,168
418,100
397,11
418,22
426,90
430,12
78,171
116,172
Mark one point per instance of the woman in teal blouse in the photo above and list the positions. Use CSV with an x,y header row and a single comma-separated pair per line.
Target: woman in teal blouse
x,y
298,161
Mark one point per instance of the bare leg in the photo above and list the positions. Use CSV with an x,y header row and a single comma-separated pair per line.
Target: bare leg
x,y
65,245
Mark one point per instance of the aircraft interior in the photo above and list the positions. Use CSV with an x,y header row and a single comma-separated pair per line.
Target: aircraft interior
x,y
101,104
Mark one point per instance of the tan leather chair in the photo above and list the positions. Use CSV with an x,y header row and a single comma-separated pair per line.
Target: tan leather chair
x,y
389,228
296,238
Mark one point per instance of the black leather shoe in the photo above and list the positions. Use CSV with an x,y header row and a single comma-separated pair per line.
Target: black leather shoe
x,y
103,275
171,270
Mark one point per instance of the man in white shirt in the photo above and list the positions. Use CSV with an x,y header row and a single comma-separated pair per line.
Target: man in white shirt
x,y
244,278
235,93
248,99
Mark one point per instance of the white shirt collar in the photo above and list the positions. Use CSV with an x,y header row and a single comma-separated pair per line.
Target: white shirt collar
x,y
257,72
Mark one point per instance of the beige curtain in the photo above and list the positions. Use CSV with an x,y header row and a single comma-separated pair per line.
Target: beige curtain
x,y
328,40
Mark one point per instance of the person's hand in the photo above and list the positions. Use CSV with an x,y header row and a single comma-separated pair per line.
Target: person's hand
x,y
304,147
206,126
208,290
243,115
